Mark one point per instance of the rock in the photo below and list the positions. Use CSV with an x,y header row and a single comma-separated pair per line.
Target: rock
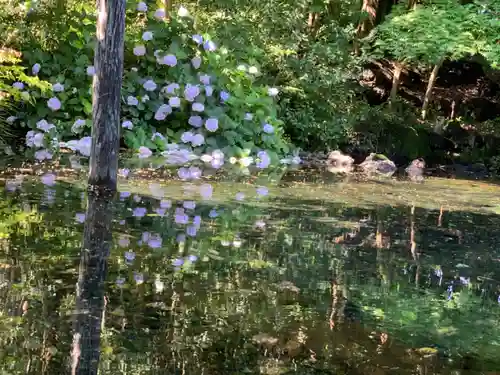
x,y
377,164
415,170
337,162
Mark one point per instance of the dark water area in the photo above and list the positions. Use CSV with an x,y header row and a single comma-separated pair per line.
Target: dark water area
x,y
201,277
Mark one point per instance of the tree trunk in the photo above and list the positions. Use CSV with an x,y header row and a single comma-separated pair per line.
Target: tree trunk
x,y
398,68
413,243
412,4
107,85
370,7
430,86
168,8
313,23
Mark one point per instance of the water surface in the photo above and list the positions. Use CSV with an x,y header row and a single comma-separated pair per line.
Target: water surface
x,y
260,275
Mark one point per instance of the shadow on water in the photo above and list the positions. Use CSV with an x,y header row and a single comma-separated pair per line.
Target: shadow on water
x,y
231,278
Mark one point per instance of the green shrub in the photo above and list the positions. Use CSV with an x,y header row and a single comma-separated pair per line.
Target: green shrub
x,y
164,67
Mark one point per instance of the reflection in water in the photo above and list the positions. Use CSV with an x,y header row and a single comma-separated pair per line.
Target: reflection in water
x,y
209,278
97,241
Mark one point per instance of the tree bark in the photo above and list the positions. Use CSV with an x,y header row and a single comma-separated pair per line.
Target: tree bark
x,y
312,23
398,68
412,4
430,86
168,8
107,85
367,23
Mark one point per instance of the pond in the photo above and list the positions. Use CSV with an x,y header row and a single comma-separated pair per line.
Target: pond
x,y
265,274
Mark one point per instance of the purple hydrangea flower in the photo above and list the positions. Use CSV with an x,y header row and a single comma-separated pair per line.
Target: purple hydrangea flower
x,y
195,121
209,46
224,96
198,39
268,128
212,124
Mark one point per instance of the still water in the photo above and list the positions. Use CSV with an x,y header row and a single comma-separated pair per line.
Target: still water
x,y
281,275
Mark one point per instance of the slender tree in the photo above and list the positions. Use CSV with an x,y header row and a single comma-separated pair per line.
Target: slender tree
x,y
106,95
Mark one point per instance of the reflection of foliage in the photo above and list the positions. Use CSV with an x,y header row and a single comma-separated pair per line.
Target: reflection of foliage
x,y
464,324
264,303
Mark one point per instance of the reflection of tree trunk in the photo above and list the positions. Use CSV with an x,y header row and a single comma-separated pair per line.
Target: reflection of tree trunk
x,y
413,246
430,86
440,218
90,289
335,303
51,310
379,243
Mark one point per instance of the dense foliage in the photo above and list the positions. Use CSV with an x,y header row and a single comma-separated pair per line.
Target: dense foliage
x,y
315,54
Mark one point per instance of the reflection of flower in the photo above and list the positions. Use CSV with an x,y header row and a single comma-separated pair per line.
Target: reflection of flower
x,y
262,191
80,217
48,179
178,262
129,256
139,212
206,191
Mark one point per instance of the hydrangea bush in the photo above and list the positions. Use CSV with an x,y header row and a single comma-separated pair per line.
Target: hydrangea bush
x,y
182,93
